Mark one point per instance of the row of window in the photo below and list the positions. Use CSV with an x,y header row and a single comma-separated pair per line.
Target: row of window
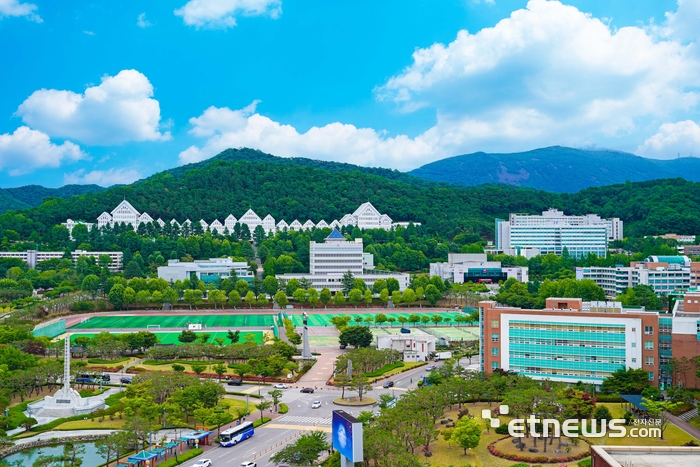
x,y
565,343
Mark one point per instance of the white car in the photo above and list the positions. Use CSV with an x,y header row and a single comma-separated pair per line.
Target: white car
x,y
202,463
280,386
316,405
249,464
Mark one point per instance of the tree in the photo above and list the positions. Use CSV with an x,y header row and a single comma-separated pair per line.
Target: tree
x,y
408,297
312,297
234,336
281,299
262,300
659,410
270,285
291,287
241,287
28,423
299,295
128,297
218,297
304,451
420,295
177,368
262,406
392,284
381,318
367,298
234,298
116,296
199,368
361,384
91,285
467,433
187,336
384,296
347,281
339,298
325,296
378,286
250,298
602,413
355,296
219,418
626,381
396,298
357,336
219,369
432,294
276,395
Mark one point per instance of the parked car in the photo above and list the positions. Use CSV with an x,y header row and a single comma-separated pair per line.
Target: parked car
x,y
316,405
106,378
343,346
249,464
125,380
235,382
280,386
202,463
307,390
431,368
388,384
83,380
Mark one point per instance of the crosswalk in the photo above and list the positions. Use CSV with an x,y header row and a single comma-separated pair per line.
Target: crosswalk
x,y
291,419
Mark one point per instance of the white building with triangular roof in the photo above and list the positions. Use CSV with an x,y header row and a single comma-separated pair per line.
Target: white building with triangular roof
x,y
268,224
250,219
282,226
308,225
230,223
216,225
295,225
321,224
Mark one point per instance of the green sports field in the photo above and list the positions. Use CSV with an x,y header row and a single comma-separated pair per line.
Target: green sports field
x,y
325,319
171,337
178,321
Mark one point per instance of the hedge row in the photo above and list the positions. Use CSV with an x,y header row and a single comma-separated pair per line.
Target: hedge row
x,y
283,408
182,458
182,362
260,421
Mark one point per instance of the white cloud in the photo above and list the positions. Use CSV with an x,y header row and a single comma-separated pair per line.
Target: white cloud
x,y
27,149
101,177
554,73
89,33
118,110
683,24
238,128
15,8
673,139
223,13
141,21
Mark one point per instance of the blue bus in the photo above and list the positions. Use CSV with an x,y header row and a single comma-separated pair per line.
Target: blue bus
x,y
235,435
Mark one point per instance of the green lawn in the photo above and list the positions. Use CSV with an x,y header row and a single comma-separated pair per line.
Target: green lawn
x,y
178,321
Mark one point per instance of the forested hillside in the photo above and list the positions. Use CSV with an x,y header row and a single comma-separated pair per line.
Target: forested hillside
x,y
34,195
289,191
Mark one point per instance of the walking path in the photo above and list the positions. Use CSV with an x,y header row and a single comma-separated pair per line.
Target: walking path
x,y
685,426
322,369
61,434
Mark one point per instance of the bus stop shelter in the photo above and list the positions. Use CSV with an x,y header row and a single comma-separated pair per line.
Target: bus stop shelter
x,y
197,438
144,458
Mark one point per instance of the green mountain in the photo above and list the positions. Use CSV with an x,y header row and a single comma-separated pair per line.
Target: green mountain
x,y
215,188
34,195
558,169
7,201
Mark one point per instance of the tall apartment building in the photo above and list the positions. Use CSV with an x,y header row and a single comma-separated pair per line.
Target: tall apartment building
x,y
330,260
665,274
569,340
552,232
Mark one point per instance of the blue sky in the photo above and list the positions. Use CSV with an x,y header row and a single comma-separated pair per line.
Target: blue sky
x,y
110,92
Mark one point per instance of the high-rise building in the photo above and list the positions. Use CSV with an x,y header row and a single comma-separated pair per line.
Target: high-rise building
x,y
553,232
569,340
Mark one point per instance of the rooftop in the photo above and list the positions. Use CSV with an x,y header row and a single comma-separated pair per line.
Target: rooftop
x,y
648,456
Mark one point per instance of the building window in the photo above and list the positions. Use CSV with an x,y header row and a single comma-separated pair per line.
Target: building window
x,y
651,376
648,360
494,323
634,360
649,330
634,344
494,337
494,351
648,345
634,329
494,365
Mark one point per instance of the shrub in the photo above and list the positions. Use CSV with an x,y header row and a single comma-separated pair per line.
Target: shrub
x,y
82,306
584,463
182,458
284,408
260,421
502,430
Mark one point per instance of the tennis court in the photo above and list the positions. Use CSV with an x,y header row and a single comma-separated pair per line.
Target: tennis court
x,y
325,319
171,337
177,321
454,333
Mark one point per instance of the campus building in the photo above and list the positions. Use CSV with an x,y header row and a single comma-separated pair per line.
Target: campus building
x,y
208,271
365,217
474,267
665,274
330,260
552,232
569,340
32,257
414,347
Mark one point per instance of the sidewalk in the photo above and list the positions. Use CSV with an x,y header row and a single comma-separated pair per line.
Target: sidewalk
x,y
685,426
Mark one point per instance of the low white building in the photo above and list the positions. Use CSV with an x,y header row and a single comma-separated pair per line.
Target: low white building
x,y
474,267
210,270
32,257
415,347
70,223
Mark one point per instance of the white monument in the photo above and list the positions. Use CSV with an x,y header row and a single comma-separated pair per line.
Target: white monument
x,y
66,402
306,350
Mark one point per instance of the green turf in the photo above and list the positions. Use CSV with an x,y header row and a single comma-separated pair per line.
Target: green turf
x,y
325,319
171,337
178,321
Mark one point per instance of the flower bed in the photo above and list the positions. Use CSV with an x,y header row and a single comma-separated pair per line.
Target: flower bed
x,y
535,459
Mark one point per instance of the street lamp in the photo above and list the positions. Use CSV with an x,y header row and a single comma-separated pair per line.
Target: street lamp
x,y
163,417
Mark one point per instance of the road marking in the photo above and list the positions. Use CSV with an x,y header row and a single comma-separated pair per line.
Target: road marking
x,y
327,429
252,390
307,420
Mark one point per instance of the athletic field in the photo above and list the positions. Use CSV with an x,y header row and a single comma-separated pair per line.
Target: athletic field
x,y
325,319
171,337
178,321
